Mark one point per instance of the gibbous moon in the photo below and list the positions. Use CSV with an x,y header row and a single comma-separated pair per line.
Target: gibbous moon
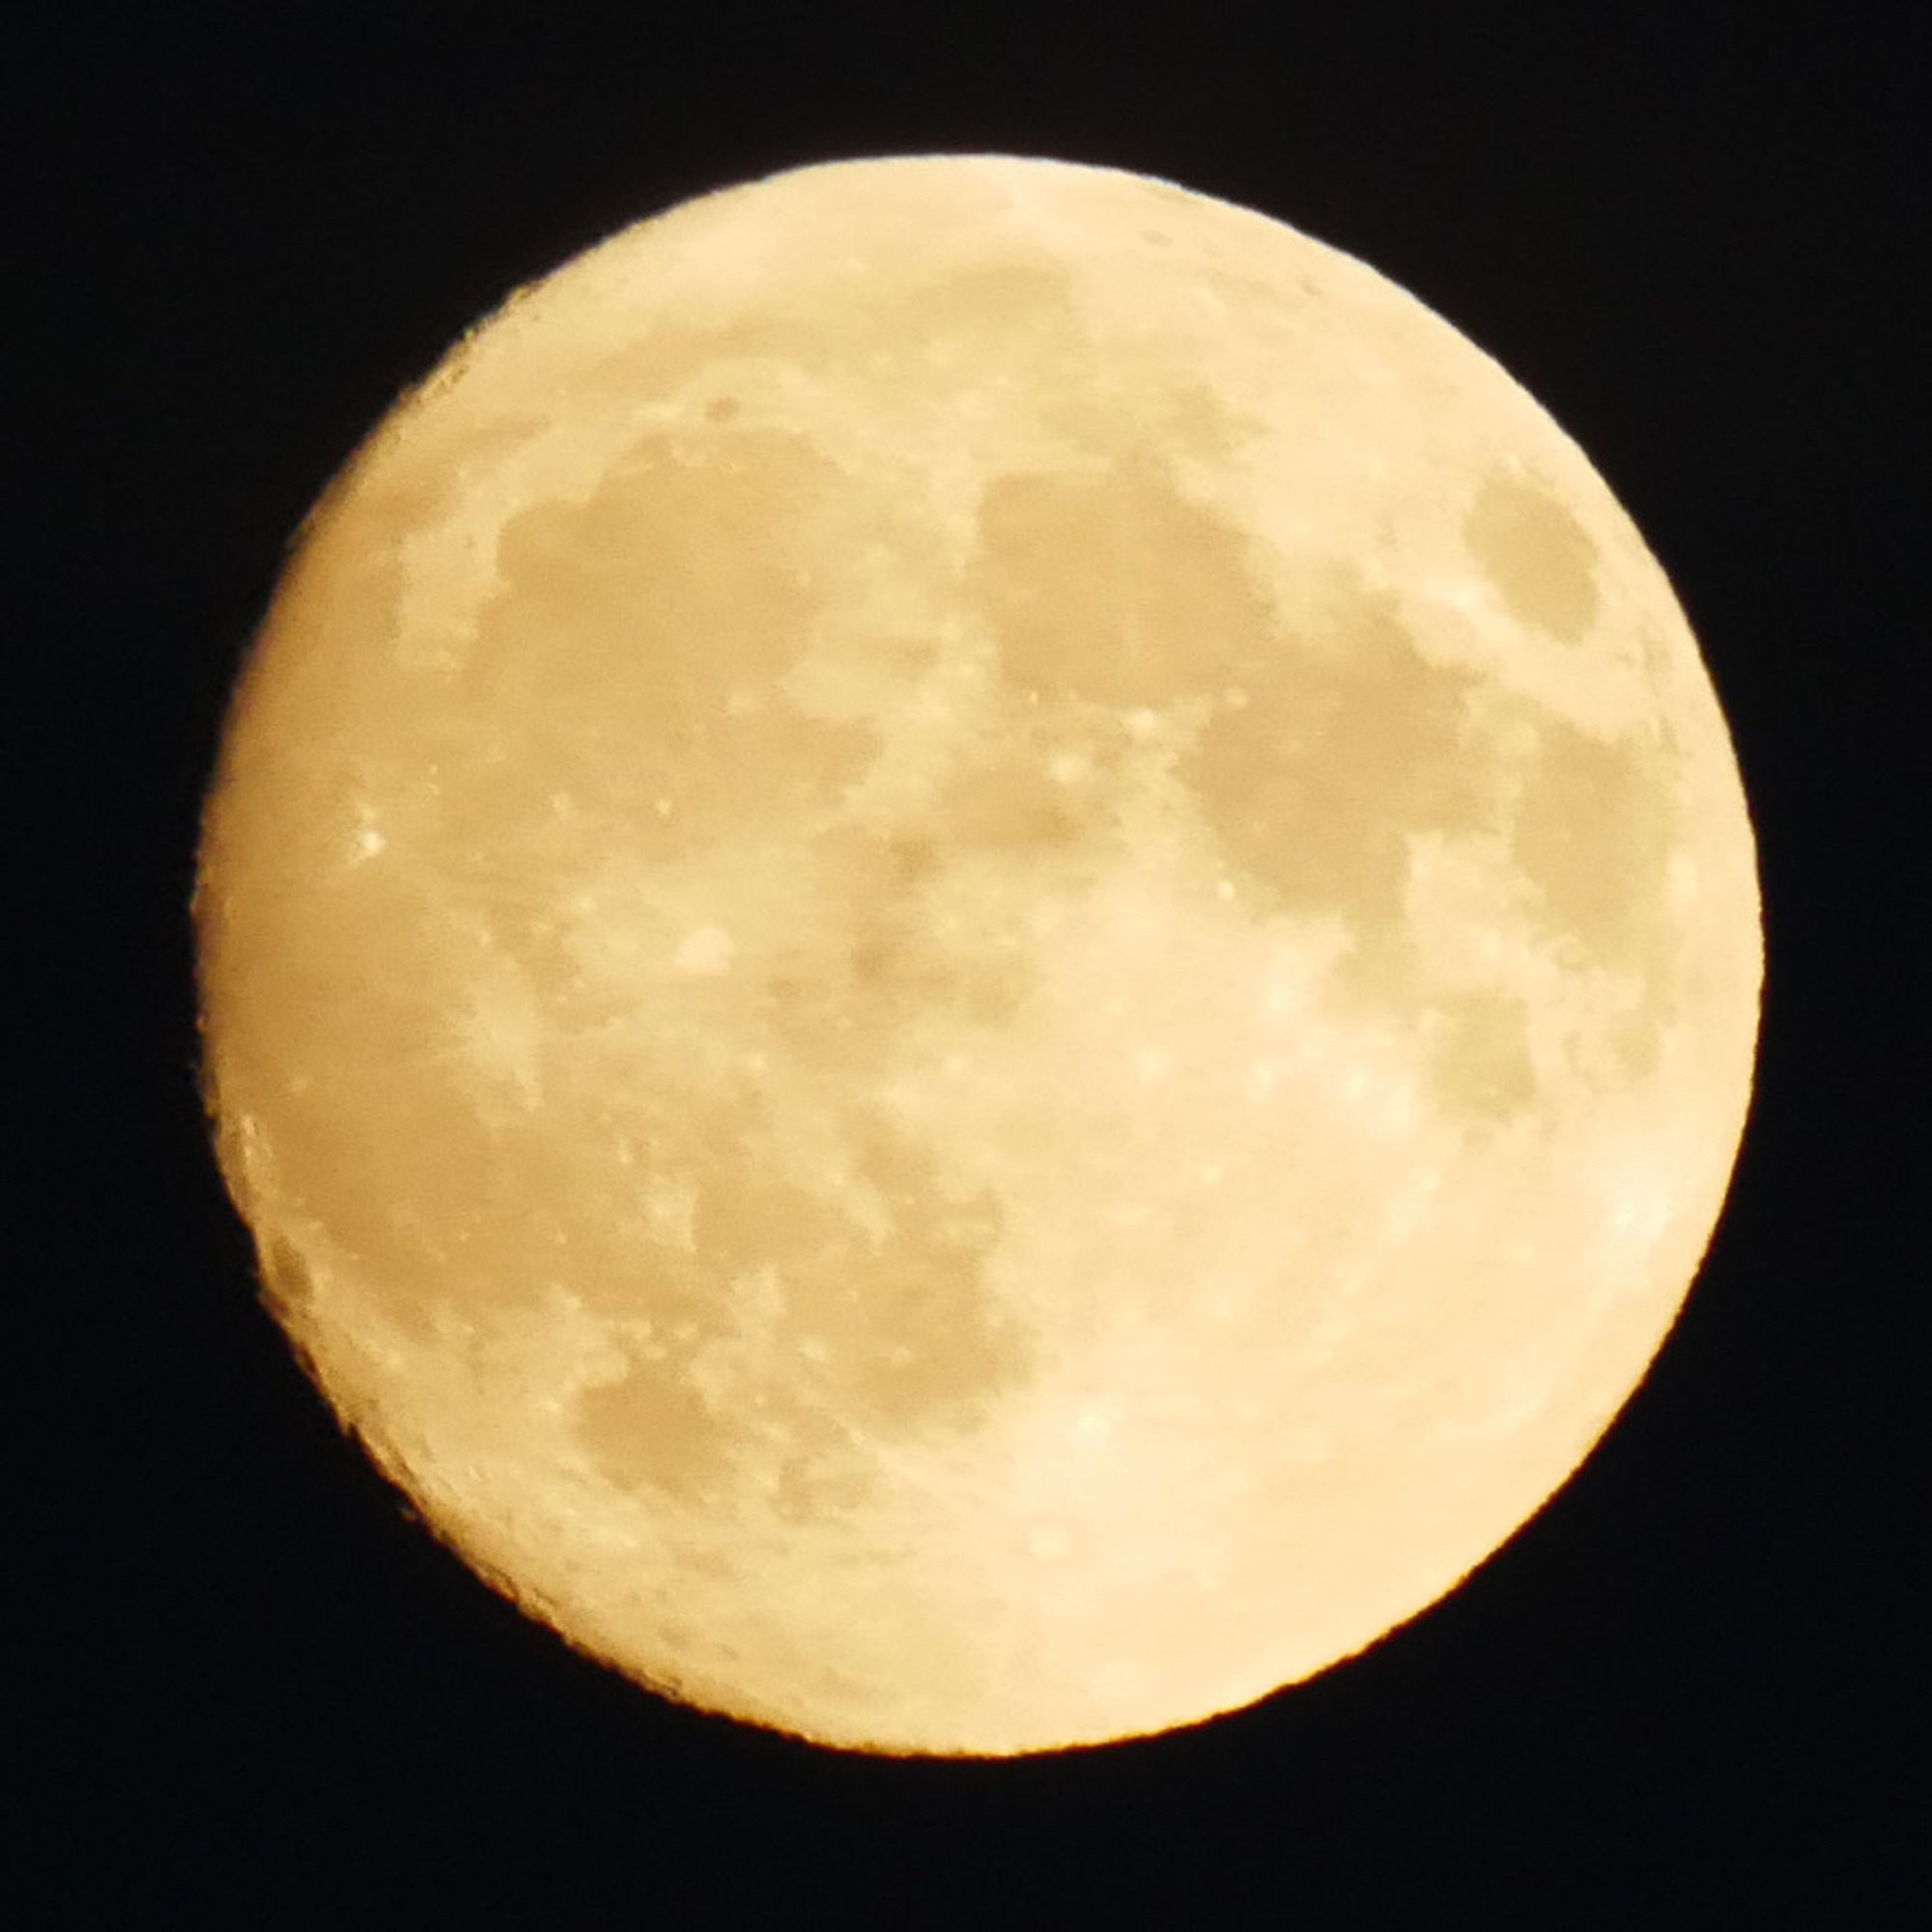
x,y
978,952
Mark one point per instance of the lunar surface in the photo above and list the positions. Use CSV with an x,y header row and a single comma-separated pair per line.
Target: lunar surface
x,y
978,952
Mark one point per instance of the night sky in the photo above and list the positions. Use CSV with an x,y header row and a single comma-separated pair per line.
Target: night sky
x,y
255,1693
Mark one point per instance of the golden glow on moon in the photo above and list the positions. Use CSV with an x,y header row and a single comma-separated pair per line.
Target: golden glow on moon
x,y
978,952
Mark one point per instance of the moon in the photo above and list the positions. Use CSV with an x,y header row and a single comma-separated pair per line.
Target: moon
x,y
979,952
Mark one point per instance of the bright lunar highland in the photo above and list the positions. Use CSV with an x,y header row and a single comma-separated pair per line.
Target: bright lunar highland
x,y
978,952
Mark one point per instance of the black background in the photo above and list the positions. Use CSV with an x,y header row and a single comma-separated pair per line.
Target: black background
x,y
256,1694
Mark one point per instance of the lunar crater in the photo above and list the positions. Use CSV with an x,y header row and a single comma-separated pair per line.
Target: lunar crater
x,y
1538,556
